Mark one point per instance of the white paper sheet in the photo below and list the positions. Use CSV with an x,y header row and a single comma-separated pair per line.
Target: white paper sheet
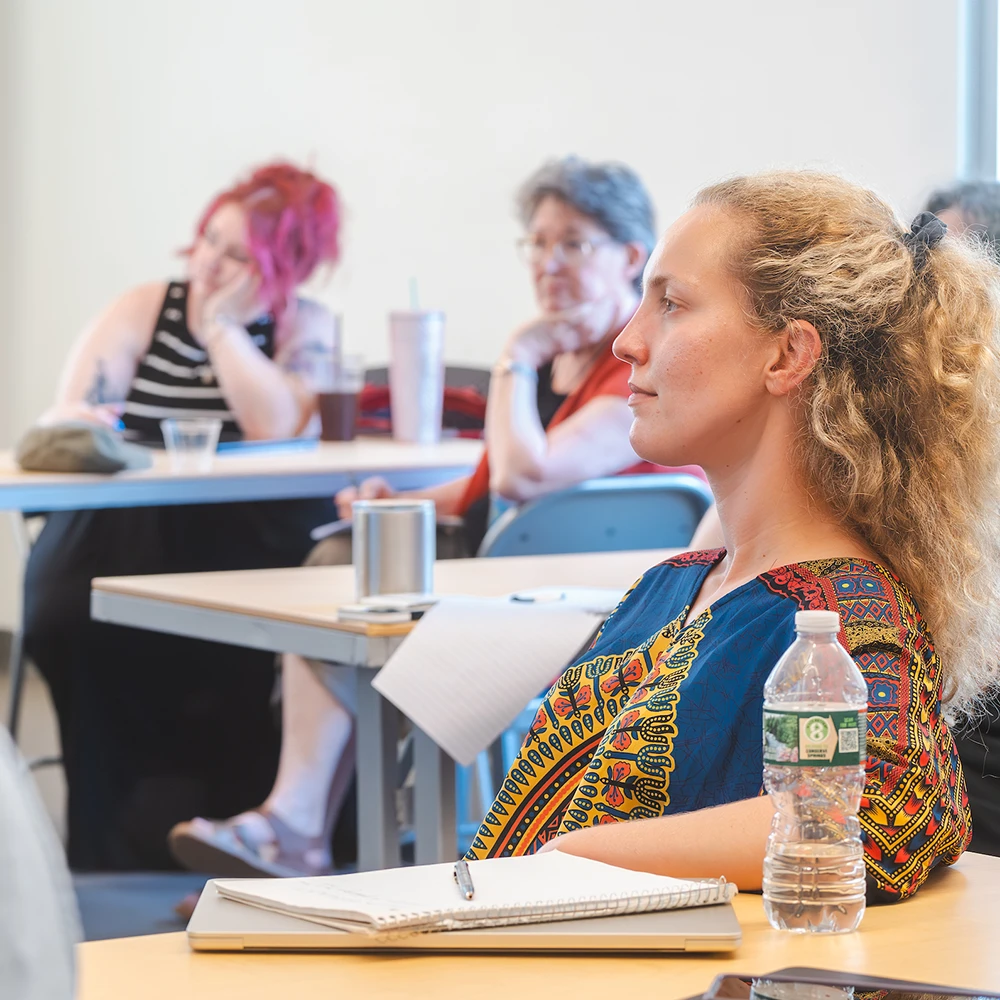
x,y
472,663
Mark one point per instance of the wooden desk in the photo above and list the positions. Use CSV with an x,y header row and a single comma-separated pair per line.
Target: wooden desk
x,y
946,934
295,611
268,474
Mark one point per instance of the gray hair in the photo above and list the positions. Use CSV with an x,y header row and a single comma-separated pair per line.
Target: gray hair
x,y
978,203
609,193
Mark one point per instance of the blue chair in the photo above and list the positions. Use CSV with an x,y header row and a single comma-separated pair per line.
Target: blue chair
x,y
658,511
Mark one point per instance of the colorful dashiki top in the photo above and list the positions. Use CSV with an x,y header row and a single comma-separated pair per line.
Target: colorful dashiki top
x,y
661,717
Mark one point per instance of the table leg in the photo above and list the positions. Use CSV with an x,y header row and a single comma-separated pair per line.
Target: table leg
x,y
17,664
433,801
17,667
378,732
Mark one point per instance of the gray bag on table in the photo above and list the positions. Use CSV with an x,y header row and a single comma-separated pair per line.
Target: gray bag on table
x,y
78,446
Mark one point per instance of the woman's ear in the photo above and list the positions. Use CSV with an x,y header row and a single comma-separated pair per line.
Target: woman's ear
x,y
635,260
799,348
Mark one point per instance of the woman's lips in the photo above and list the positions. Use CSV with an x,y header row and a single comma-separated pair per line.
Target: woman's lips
x,y
638,394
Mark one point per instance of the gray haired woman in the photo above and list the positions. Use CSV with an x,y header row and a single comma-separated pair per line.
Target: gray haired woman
x,y
589,229
557,414
971,207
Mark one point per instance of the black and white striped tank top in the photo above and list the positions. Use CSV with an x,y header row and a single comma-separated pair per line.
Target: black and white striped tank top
x,y
176,378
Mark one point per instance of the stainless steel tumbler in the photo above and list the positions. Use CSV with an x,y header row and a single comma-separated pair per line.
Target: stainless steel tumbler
x,y
394,546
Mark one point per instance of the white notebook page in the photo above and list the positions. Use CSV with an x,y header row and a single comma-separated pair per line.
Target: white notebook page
x,y
508,890
472,663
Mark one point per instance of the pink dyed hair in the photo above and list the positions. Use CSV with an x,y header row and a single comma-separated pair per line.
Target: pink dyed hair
x,y
293,222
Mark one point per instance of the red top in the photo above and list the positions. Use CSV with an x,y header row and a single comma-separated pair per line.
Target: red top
x,y
608,377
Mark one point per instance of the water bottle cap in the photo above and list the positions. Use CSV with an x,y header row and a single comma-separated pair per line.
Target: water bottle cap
x,y
817,621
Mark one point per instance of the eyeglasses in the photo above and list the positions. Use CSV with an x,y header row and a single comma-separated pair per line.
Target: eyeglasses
x,y
533,251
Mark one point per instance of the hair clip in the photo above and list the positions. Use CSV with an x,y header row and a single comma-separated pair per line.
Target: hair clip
x,y
926,232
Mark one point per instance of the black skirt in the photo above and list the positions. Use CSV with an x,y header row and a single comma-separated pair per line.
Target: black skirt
x,y
155,728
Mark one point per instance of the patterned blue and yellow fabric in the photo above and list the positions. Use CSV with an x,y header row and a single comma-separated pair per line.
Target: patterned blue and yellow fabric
x,y
660,717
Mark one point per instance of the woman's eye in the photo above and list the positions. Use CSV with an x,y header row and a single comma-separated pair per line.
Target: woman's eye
x,y
240,258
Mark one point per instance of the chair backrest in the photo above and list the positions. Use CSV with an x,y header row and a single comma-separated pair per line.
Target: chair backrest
x,y
455,377
658,511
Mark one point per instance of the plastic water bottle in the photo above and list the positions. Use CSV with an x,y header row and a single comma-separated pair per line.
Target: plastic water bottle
x,y
815,718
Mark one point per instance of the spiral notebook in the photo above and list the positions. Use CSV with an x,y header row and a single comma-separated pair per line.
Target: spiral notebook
x,y
536,889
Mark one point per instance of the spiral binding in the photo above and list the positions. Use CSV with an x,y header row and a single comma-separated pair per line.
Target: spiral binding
x,y
702,892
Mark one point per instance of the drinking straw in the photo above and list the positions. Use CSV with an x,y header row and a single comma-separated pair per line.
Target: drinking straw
x,y
414,296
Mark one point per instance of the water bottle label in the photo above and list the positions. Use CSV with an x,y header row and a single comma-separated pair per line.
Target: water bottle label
x,y
814,738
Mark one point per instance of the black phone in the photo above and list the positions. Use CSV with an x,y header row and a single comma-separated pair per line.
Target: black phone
x,y
825,984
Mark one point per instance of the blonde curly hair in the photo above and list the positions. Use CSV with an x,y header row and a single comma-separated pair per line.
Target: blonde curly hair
x,y
902,431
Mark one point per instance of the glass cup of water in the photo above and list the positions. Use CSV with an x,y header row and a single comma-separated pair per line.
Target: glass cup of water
x,y
191,443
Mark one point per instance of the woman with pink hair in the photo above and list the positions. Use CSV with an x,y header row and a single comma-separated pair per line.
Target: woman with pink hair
x,y
154,727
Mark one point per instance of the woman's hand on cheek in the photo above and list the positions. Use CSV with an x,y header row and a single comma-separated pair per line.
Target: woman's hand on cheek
x,y
236,301
534,343
561,333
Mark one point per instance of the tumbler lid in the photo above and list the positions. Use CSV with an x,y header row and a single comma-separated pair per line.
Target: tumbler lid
x,y
393,505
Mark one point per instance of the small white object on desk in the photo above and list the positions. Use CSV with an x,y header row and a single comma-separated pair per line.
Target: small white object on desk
x,y
387,608
374,616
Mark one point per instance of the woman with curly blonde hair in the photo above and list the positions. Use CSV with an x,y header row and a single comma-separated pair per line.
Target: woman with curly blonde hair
x,y
836,375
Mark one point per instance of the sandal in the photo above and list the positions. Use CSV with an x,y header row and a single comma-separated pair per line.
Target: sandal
x,y
254,843
259,842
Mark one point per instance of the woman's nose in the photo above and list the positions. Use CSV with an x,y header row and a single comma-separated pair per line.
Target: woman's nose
x,y
555,259
630,346
550,262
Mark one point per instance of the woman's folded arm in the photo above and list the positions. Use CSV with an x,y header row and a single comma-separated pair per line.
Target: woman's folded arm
x,y
727,840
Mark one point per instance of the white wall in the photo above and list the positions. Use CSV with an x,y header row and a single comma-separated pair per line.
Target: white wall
x,y
127,115
9,230
9,223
